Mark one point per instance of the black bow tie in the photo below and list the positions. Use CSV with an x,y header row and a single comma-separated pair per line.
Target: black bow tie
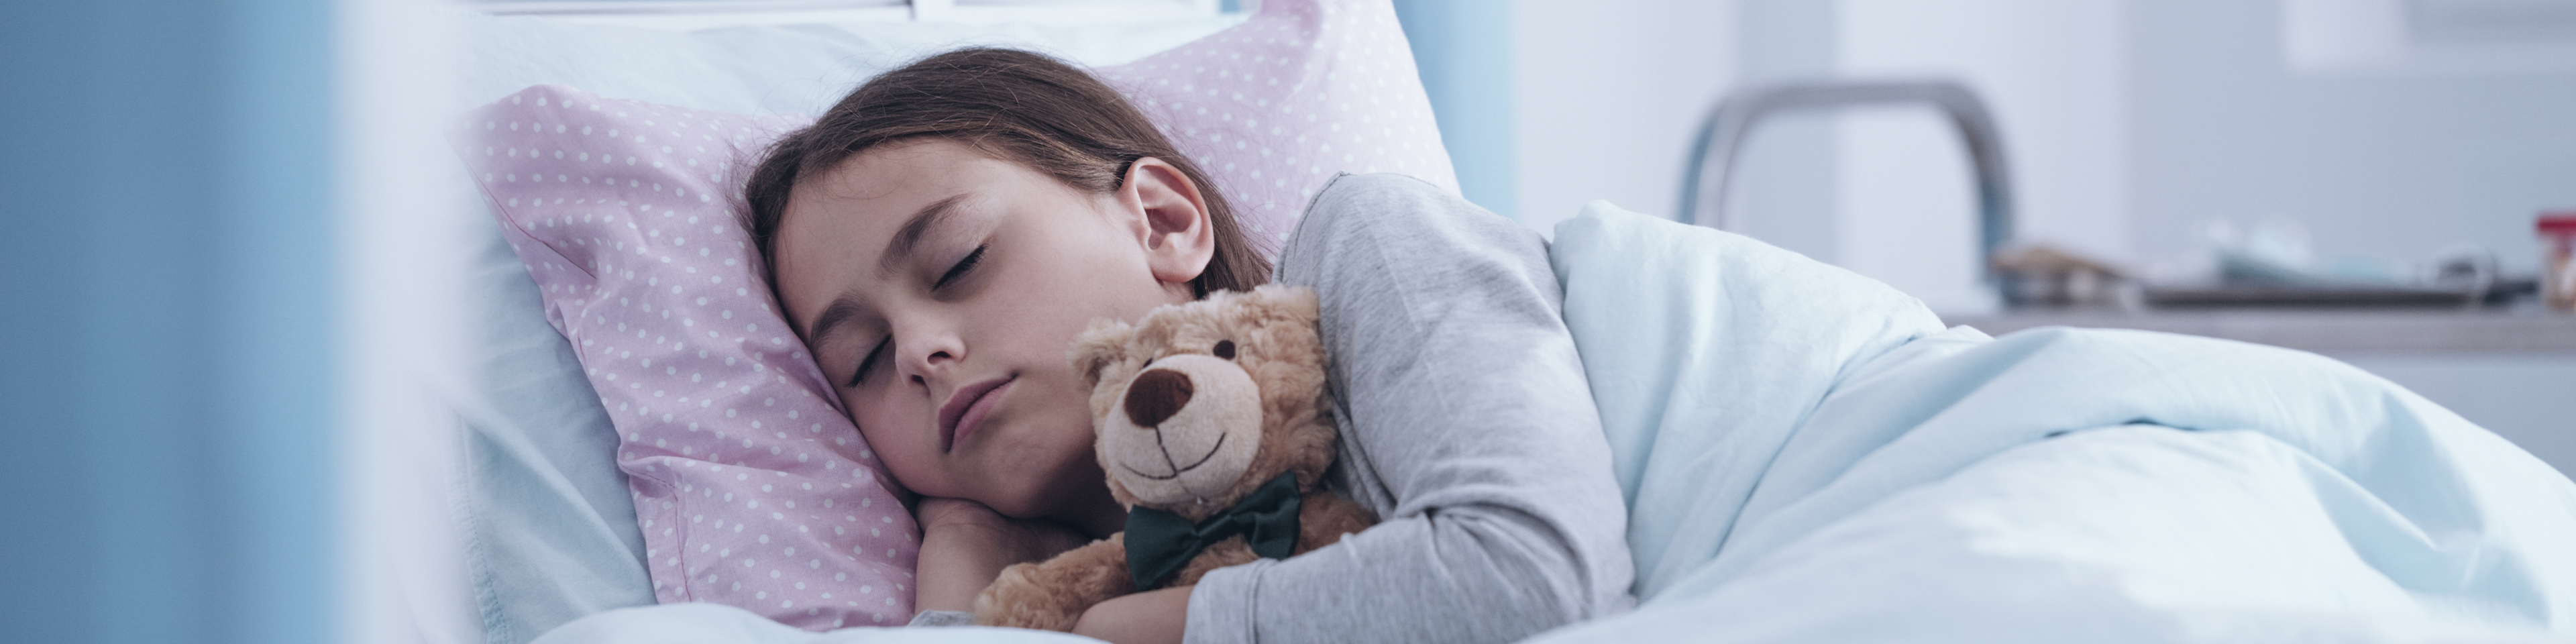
x,y
1161,543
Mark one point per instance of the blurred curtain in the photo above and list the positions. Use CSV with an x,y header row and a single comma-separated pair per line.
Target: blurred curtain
x,y
1464,51
166,321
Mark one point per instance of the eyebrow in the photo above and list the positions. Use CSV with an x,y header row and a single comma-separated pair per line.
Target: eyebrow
x,y
834,318
898,250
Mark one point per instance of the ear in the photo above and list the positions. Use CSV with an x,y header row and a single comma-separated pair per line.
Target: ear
x,y
1104,344
1175,231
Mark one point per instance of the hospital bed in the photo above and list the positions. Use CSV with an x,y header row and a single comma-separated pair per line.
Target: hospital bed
x,y
1913,458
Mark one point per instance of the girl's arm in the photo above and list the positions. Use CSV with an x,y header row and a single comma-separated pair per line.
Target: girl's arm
x,y
1466,423
1150,617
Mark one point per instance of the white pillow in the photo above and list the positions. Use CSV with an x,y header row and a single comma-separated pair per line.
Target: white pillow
x,y
766,69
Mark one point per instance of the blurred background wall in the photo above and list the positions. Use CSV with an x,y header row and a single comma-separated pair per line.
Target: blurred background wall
x,y
2446,137
2129,124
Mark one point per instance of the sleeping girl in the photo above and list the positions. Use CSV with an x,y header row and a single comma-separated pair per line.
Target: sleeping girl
x,y
939,237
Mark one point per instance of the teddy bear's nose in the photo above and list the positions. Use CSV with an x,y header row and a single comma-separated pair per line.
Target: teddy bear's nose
x,y
1156,395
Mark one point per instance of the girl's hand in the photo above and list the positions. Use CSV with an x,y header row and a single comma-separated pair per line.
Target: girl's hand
x,y
1151,617
964,545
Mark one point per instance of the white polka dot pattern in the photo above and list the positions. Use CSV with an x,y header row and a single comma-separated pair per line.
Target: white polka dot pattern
x,y
1272,108
751,486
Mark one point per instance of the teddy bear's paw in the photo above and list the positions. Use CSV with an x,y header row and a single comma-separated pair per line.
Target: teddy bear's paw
x,y
1018,599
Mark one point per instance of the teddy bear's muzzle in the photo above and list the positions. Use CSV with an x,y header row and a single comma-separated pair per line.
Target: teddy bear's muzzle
x,y
1156,395
1184,430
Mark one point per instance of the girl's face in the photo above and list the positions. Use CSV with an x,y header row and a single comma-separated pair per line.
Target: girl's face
x,y
939,288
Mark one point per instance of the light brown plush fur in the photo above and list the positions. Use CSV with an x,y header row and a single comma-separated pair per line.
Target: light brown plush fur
x,y
1272,335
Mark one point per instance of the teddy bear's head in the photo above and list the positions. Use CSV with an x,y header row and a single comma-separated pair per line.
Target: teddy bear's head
x,y
1198,404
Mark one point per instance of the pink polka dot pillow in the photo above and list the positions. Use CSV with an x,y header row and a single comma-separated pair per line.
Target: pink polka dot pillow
x,y
1274,107
751,487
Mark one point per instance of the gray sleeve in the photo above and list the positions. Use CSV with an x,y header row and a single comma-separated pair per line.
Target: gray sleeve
x,y
1466,425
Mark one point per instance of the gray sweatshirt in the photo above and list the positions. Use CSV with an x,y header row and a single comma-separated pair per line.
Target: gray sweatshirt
x,y
1466,425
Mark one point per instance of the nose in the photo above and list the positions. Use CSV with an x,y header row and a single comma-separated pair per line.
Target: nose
x,y
1156,395
923,346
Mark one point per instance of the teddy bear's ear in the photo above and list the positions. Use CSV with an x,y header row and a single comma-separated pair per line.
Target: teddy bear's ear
x,y
1104,344
1295,304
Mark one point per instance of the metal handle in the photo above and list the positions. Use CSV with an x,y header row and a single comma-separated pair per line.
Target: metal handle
x,y
1722,135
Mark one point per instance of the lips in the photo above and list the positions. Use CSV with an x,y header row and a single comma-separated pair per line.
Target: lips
x,y
966,409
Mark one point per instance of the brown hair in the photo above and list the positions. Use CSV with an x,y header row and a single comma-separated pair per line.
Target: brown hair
x,y
1019,106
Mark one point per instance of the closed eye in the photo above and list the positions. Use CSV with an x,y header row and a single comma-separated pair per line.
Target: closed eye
x,y
865,364
960,269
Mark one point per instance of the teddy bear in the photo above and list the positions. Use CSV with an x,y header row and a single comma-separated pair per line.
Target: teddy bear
x,y
1214,425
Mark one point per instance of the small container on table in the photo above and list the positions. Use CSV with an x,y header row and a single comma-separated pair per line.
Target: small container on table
x,y
2558,258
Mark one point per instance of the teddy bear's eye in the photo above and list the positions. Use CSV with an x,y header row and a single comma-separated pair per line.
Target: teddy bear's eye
x,y
1223,349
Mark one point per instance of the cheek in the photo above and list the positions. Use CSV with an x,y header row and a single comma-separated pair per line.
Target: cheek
x,y
908,455
1047,466
1028,326
1037,313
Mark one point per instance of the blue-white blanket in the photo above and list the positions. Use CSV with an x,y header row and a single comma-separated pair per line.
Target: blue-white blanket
x,y
1809,456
